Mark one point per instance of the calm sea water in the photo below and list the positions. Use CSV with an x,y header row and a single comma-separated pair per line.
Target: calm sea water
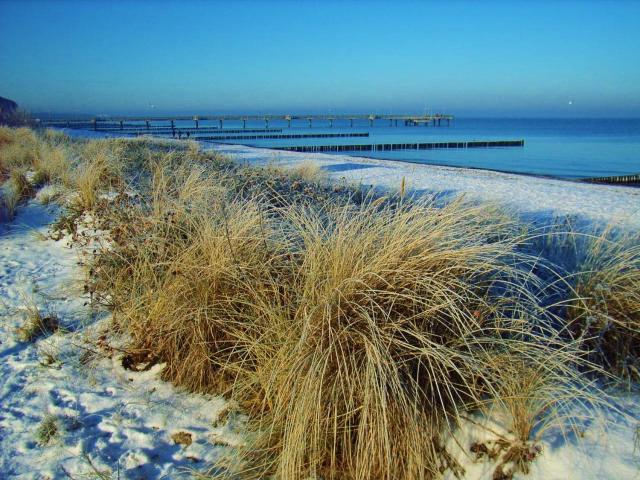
x,y
567,148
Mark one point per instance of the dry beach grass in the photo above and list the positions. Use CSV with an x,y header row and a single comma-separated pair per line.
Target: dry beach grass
x,y
606,307
355,331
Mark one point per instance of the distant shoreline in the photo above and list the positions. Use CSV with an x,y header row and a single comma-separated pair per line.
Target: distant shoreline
x,y
581,181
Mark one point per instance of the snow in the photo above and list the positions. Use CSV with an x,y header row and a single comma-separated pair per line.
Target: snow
x,y
109,419
605,449
533,197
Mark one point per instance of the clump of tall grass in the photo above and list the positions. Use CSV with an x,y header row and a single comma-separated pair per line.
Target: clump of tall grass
x,y
390,318
6,136
53,166
15,190
539,386
189,262
8,204
19,148
29,160
37,323
101,169
605,306
354,334
55,138
307,171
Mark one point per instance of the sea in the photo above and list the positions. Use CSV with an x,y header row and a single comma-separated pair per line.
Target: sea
x,y
561,148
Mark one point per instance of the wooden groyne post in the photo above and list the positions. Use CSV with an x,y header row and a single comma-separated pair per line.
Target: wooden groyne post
x,y
616,180
382,147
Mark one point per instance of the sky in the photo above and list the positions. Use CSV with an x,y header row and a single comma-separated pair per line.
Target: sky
x,y
482,59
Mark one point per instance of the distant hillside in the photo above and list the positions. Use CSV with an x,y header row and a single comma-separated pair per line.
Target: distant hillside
x,y
7,106
10,115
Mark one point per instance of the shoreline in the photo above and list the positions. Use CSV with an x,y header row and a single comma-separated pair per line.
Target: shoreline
x,y
539,197
415,162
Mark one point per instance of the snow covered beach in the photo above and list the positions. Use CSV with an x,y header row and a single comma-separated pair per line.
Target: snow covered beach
x,y
110,422
124,423
535,197
120,423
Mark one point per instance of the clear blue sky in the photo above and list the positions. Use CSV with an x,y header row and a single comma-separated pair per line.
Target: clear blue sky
x,y
476,59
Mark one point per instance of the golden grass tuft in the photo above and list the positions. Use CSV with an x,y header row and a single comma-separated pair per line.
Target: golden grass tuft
x,y
101,169
186,272
381,339
37,324
605,308
54,166
307,171
20,184
55,137
544,385
6,136
19,148
16,189
88,182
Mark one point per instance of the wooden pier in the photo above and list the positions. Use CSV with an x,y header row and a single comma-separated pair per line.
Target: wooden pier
x,y
382,147
120,123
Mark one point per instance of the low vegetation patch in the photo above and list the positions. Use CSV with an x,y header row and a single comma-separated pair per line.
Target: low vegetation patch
x,y
605,307
37,324
182,438
355,331
308,171
48,430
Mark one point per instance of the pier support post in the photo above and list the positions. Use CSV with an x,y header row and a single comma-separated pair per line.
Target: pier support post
x,y
309,122
95,124
147,123
351,122
244,123
197,123
121,125
220,123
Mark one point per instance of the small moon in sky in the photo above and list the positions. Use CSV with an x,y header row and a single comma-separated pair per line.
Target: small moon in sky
x,y
570,102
